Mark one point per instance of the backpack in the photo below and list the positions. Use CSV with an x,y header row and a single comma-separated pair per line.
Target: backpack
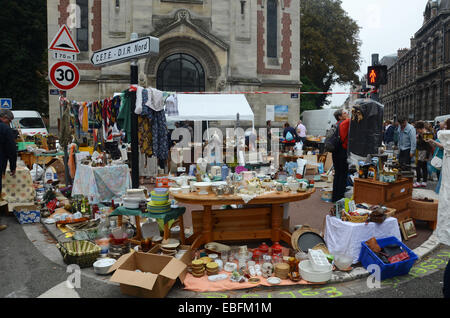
x,y
289,136
332,139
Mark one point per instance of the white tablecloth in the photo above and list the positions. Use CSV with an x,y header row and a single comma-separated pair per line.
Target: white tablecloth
x,y
101,184
346,237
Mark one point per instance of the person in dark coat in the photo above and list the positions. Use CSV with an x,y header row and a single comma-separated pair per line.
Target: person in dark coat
x,y
389,133
8,148
340,156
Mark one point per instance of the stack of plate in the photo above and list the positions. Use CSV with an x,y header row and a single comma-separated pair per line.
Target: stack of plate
x,y
282,270
116,251
169,248
212,269
198,268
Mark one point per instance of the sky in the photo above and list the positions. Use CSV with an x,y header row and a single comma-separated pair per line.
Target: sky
x,y
386,26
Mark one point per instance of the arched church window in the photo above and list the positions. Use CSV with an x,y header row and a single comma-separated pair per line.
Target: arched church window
x,y
181,73
83,29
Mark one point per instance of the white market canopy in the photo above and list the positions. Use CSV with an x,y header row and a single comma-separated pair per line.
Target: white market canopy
x,y
212,107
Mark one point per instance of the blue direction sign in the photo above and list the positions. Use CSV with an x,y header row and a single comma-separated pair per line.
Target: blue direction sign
x,y
5,103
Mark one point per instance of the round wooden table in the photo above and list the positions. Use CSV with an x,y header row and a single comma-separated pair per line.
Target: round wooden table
x,y
261,218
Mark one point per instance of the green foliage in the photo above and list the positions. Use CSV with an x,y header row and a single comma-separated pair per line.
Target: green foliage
x,y
330,45
309,102
23,71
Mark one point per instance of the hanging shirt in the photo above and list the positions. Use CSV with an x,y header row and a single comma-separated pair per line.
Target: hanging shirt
x,y
138,109
124,117
155,99
172,105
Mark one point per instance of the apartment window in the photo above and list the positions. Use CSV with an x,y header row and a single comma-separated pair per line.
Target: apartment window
x,y
83,30
272,28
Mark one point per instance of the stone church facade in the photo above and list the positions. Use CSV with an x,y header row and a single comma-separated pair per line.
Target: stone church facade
x,y
222,45
419,78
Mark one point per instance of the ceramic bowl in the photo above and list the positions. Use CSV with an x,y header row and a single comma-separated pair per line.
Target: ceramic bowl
x,y
102,266
175,190
309,274
342,261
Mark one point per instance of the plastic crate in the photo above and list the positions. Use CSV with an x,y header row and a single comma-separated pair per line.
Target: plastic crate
x,y
368,257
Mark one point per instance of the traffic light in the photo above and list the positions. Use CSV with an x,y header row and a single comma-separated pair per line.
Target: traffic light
x,y
377,75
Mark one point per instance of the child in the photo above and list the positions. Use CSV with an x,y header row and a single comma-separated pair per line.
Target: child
x,y
424,154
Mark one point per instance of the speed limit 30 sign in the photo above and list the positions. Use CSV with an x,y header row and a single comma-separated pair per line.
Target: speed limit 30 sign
x,y
64,75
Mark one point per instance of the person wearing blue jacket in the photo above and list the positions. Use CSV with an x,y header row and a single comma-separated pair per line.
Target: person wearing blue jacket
x,y
407,142
8,148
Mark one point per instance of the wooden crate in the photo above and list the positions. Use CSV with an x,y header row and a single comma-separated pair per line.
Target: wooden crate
x,y
403,215
399,205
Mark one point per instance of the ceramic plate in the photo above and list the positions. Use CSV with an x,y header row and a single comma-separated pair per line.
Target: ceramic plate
x,y
274,280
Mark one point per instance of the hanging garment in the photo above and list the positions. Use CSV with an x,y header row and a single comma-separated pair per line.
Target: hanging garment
x,y
366,128
159,132
65,137
124,117
172,105
138,109
155,99
107,120
145,136
85,123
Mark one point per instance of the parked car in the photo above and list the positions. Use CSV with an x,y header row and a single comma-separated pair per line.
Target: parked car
x,y
29,123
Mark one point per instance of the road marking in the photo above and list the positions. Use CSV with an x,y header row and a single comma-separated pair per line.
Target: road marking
x,y
60,291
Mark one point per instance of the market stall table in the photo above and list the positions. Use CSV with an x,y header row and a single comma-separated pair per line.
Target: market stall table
x,y
346,237
248,223
101,184
175,213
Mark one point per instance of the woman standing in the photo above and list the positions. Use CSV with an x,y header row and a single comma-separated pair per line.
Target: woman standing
x,y
439,152
424,152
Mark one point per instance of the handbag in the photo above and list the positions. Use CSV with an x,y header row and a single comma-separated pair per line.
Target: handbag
x,y
289,136
436,162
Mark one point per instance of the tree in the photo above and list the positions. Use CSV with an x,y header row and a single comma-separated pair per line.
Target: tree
x,y
24,67
308,101
330,45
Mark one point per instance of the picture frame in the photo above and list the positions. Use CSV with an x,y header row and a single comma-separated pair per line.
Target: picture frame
x,y
408,229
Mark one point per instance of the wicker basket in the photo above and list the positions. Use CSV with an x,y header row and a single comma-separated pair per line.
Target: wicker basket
x,y
81,253
355,219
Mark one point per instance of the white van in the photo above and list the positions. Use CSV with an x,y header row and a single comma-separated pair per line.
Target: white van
x,y
317,122
441,119
29,122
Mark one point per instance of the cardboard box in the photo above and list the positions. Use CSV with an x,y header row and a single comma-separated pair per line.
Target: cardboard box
x,y
27,214
158,275
186,258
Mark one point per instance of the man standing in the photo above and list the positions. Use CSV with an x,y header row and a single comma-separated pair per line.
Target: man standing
x,y
301,131
8,149
389,133
340,156
406,142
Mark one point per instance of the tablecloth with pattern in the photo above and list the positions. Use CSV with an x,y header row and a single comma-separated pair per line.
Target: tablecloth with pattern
x,y
102,184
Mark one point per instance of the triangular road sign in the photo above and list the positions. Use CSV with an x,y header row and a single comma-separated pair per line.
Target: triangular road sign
x,y
63,42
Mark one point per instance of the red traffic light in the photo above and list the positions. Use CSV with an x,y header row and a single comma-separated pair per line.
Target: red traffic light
x,y
377,75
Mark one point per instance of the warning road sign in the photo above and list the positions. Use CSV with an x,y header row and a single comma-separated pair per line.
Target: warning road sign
x,y
64,75
63,42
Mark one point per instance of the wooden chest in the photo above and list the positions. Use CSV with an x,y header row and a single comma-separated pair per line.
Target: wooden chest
x,y
396,195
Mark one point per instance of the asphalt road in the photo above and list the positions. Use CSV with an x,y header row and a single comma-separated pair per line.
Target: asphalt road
x,y
27,273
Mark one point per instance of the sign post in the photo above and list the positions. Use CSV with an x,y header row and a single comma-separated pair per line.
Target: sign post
x,y
133,50
64,75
